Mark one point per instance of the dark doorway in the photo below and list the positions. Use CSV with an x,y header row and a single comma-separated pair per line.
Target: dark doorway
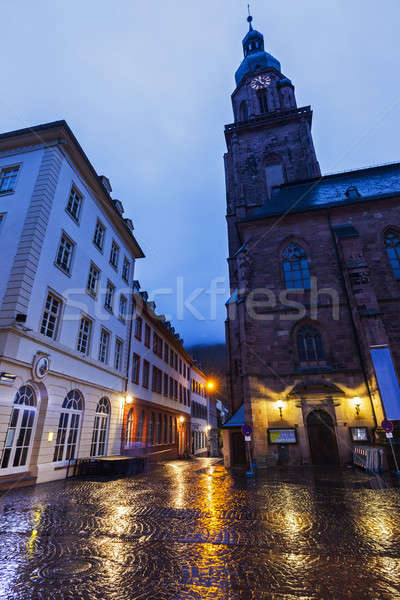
x,y
283,455
238,449
322,437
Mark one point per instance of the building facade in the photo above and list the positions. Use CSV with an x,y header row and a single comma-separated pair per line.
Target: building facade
x,y
68,258
156,421
314,264
86,367
201,424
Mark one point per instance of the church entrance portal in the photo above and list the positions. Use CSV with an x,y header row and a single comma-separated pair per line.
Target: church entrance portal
x,y
322,437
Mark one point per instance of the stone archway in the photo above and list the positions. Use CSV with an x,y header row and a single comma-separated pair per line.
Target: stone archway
x,y
322,438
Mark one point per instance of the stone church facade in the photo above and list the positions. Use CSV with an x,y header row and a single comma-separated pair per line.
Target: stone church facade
x,y
312,328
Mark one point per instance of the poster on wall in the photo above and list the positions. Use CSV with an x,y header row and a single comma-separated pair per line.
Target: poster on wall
x,y
387,381
282,436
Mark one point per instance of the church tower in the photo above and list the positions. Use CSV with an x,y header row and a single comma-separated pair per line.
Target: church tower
x,y
269,143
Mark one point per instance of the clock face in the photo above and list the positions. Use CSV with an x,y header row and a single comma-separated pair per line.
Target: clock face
x,y
260,82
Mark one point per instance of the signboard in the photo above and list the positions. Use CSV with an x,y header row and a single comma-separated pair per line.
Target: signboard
x,y
247,438
282,436
387,425
246,430
359,434
389,435
389,387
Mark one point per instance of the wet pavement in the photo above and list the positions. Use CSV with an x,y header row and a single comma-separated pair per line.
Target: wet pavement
x,y
193,531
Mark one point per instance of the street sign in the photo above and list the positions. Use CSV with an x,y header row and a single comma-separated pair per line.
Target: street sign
x,y
389,435
247,438
246,430
387,426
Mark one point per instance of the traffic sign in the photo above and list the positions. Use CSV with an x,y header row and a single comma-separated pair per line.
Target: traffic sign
x,y
389,435
246,430
247,438
387,426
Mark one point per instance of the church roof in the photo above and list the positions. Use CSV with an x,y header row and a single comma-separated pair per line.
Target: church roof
x,y
331,191
237,420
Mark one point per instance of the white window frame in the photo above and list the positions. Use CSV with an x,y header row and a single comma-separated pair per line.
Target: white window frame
x,y
123,302
68,270
57,316
104,348
69,414
13,433
99,247
4,168
118,364
126,263
109,296
74,190
114,254
101,425
88,334
89,290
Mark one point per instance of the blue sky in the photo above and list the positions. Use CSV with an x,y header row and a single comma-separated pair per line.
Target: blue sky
x,y
145,86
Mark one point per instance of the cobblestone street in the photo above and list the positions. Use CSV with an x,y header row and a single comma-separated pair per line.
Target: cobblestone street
x,y
192,531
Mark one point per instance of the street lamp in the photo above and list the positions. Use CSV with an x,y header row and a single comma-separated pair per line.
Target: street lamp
x,y
181,420
129,399
210,385
357,405
280,406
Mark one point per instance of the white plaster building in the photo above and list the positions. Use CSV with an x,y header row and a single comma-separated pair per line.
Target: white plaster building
x,y
67,265
200,422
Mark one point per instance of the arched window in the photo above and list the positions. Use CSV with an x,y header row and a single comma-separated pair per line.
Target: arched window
x,y
243,111
150,433
69,426
100,429
392,243
130,422
140,427
309,345
19,436
295,268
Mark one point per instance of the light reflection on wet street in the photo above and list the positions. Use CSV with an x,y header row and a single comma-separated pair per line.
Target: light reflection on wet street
x,y
191,530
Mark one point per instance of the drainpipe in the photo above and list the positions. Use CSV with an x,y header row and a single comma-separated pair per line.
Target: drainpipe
x,y
353,323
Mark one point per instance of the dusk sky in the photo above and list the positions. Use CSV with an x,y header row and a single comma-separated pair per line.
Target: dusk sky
x,y
145,87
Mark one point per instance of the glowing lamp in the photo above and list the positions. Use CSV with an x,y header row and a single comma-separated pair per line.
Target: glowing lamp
x,y
280,406
181,419
50,436
357,404
129,400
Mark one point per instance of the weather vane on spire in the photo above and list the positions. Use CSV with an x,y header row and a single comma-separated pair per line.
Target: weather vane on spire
x,y
249,18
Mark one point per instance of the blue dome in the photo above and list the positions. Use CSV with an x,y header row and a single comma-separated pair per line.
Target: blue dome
x,y
255,57
252,34
255,62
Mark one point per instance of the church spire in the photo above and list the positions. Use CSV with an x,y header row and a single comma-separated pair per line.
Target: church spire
x,y
255,57
249,18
